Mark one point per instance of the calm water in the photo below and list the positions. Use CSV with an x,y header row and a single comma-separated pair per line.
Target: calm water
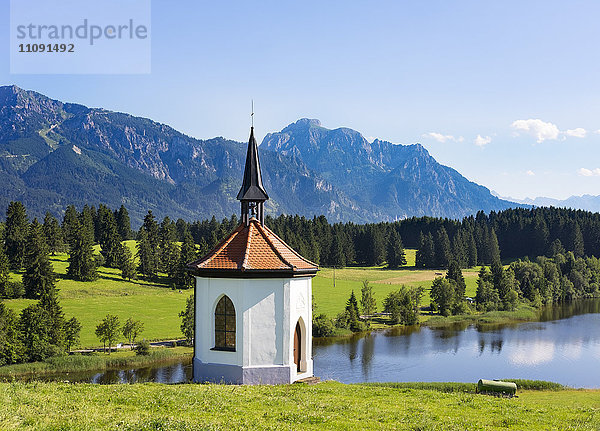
x,y
178,372
565,351
564,346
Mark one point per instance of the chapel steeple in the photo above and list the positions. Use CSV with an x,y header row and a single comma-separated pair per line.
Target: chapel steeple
x,y
252,194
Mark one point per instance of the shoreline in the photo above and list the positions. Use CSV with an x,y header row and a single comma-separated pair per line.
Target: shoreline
x,y
523,314
82,363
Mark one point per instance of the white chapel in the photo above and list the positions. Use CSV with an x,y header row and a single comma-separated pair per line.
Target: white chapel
x,y
253,295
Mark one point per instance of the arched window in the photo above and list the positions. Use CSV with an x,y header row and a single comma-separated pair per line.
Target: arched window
x,y
225,325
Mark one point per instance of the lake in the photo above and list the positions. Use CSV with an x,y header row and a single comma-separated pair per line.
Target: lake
x,y
563,346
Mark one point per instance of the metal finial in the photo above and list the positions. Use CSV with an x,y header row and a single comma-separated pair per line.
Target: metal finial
x,y
252,115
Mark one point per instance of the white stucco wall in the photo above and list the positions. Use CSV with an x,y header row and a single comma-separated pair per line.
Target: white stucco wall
x,y
301,308
266,314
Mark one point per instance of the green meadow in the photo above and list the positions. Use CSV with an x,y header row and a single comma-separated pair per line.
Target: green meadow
x,y
155,304
329,406
332,287
158,306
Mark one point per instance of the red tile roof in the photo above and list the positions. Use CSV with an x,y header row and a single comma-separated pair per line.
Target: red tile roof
x,y
251,251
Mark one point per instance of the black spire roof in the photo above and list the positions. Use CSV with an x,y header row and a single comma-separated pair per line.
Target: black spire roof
x,y
252,187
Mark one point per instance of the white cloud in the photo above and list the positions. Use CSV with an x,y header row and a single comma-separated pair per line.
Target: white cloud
x,y
482,141
541,130
531,354
443,138
584,172
530,173
576,133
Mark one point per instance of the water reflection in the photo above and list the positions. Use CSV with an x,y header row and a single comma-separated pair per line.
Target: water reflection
x,y
564,350
179,372
564,346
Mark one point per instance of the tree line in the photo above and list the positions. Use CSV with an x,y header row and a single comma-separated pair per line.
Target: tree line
x,y
41,330
482,239
164,248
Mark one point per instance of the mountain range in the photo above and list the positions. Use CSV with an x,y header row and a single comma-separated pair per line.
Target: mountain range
x,y
53,154
583,202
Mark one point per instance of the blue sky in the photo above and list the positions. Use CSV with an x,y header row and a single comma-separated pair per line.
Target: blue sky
x,y
521,76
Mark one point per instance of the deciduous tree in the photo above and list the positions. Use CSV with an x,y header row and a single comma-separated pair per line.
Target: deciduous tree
x,y
132,329
107,331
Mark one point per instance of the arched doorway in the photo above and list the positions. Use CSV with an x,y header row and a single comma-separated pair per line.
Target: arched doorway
x,y
298,346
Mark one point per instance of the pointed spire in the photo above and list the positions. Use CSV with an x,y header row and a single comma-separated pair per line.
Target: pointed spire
x,y
252,193
252,187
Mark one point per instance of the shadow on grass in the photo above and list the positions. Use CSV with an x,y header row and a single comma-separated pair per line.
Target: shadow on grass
x,y
104,274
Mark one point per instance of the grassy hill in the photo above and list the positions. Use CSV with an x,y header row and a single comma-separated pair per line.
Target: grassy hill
x,y
330,405
155,304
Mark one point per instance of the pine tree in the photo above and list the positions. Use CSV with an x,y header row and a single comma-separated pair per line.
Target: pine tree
x,y
146,256
442,249
376,246
126,263
352,315
123,223
576,244
556,248
497,276
187,255
428,254
53,234
396,256
494,248
148,247
108,237
540,236
87,224
39,277
472,249
70,224
168,250
16,234
82,264
459,250
4,272
419,257
42,328
11,347
187,320
203,248
55,317
454,273
338,256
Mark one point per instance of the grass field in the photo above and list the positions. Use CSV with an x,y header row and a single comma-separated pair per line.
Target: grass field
x,y
155,304
330,405
158,306
331,299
